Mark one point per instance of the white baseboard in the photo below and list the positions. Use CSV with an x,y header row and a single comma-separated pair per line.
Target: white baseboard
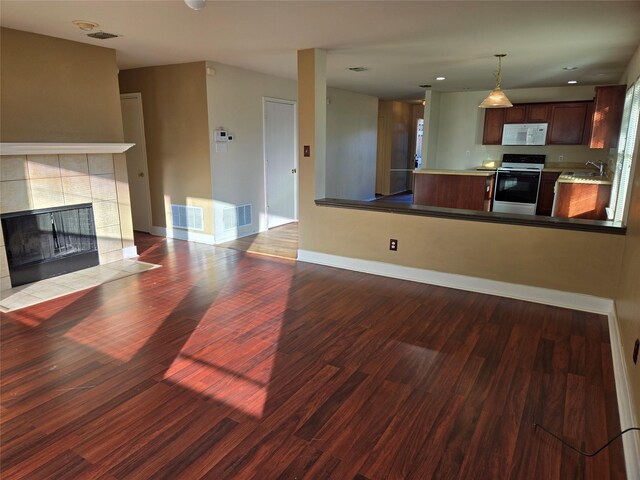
x,y
631,440
558,298
180,234
130,252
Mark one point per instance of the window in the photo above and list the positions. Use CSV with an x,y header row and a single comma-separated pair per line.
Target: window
x,y
624,161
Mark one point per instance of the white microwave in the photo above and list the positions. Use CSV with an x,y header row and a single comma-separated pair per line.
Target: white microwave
x,y
524,134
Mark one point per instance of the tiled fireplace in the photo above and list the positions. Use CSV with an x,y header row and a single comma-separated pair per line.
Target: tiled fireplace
x,y
41,182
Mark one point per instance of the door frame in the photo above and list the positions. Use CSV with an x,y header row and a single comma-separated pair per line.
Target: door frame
x,y
145,167
265,100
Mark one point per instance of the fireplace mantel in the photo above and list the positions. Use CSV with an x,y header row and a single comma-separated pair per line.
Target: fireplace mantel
x,y
62,148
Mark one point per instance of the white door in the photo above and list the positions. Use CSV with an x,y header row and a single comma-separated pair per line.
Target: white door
x,y
280,161
137,170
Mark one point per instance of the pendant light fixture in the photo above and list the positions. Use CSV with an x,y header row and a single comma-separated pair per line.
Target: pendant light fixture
x,y
497,98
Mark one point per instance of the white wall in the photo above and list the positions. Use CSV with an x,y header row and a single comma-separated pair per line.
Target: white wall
x,y
351,145
461,122
234,98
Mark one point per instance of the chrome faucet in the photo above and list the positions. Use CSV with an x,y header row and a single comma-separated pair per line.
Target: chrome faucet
x,y
601,167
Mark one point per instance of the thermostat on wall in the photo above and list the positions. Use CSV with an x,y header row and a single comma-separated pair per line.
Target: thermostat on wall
x,y
221,135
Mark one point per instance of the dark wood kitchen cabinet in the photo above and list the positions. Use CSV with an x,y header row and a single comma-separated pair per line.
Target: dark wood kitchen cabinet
x,y
516,114
567,123
538,112
607,117
582,200
546,193
470,192
493,123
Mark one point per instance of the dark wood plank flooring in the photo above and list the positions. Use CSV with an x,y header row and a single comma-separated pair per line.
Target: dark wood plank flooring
x,y
222,364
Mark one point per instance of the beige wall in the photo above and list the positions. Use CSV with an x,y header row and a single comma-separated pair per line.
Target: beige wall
x,y
461,122
55,90
235,102
351,145
549,258
628,294
174,103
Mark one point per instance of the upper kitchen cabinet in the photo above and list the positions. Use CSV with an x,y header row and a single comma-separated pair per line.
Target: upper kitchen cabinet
x,y
515,114
607,116
493,123
567,123
527,113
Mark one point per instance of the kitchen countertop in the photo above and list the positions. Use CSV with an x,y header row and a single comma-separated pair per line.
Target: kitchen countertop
x,y
471,173
567,177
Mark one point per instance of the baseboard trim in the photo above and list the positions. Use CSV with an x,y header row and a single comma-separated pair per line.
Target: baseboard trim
x,y
183,235
631,440
558,298
129,252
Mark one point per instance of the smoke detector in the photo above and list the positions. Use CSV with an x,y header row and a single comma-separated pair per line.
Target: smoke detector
x,y
85,25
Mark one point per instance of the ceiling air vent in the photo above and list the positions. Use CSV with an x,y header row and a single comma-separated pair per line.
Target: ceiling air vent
x,y
102,35
358,69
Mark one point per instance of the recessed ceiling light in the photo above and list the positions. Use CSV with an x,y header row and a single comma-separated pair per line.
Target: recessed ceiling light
x,y
569,68
85,25
424,85
358,69
572,81
440,78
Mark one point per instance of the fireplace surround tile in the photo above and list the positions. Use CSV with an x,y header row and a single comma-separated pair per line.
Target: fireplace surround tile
x,y
13,167
76,190
15,196
106,214
100,163
109,239
43,166
73,165
103,187
47,192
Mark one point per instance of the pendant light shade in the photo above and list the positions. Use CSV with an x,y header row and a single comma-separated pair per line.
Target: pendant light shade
x,y
497,98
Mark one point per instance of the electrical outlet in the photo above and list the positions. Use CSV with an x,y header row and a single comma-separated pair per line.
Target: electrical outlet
x,y
393,245
636,347
560,158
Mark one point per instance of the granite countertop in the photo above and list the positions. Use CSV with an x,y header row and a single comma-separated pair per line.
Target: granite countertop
x,y
472,173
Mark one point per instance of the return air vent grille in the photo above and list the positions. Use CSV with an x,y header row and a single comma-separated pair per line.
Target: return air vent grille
x,y
235,217
185,216
102,35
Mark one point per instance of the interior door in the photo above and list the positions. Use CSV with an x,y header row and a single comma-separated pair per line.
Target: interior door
x,y
280,162
137,170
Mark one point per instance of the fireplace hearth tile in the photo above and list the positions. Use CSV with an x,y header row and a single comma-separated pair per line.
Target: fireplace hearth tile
x,y
44,290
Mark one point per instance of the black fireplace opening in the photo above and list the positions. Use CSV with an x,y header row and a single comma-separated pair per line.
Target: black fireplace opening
x,y
49,242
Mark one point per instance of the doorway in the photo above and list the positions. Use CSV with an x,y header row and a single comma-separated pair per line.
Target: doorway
x,y
137,169
281,162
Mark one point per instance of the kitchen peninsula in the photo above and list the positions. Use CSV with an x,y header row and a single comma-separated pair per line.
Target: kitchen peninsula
x,y
466,189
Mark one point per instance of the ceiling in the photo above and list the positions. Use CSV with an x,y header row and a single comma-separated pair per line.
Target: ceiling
x,y
403,44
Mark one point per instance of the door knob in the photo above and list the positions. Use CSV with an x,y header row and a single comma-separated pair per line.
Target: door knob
x,y
141,174
293,170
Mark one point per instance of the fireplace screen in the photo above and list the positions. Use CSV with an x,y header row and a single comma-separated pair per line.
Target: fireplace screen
x,y
49,242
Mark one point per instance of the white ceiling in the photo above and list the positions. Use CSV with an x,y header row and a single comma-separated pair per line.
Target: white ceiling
x,y
404,44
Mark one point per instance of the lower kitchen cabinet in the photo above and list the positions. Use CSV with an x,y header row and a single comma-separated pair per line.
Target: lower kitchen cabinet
x,y
471,192
546,193
582,200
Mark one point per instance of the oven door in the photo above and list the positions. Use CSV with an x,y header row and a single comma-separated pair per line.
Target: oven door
x,y
517,186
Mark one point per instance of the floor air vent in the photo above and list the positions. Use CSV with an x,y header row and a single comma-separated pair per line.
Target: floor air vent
x,y
235,217
185,216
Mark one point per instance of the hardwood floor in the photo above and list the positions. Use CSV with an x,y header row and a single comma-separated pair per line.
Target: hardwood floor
x,y
278,242
226,365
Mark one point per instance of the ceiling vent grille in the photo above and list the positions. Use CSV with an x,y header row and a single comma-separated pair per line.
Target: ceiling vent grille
x,y
235,217
185,216
102,35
